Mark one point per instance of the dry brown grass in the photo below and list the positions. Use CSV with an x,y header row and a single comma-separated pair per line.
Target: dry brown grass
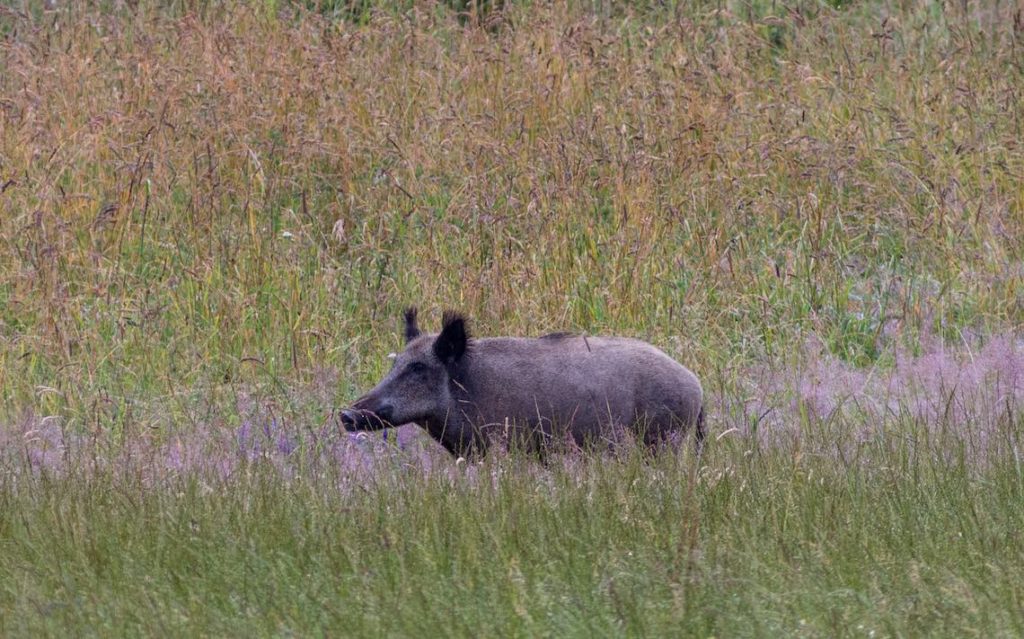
x,y
733,177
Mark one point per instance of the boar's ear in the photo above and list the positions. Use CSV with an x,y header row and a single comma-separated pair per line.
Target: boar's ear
x,y
453,341
412,330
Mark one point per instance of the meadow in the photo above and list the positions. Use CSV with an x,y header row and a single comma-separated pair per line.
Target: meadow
x,y
212,214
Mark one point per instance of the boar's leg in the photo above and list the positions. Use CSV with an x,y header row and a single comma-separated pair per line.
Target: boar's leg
x,y
700,432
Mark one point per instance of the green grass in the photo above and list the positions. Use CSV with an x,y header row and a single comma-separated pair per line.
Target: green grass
x,y
752,546
212,215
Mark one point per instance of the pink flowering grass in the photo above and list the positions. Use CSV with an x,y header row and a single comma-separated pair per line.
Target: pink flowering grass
x,y
215,450
967,398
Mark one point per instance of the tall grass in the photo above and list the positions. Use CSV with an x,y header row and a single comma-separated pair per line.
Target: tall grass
x,y
768,544
212,214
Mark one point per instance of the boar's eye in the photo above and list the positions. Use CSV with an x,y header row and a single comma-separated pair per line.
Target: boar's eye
x,y
417,367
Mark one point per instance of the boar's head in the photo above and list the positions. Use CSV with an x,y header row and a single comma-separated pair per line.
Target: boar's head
x,y
419,386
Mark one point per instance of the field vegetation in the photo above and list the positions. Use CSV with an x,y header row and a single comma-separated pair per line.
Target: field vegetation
x,y
212,214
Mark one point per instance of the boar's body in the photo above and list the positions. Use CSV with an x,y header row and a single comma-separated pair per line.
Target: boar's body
x,y
533,389
588,386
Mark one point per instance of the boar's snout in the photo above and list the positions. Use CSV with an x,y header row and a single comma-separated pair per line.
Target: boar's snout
x,y
367,414
350,419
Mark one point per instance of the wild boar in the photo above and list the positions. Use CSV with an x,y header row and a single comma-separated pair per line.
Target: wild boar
x,y
462,389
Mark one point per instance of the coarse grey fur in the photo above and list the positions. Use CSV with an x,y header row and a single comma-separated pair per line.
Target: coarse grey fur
x,y
534,389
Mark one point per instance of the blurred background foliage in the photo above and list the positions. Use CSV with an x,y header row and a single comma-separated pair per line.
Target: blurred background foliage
x,y
203,197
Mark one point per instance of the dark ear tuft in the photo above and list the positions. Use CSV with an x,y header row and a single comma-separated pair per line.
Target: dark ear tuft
x,y
453,341
412,330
